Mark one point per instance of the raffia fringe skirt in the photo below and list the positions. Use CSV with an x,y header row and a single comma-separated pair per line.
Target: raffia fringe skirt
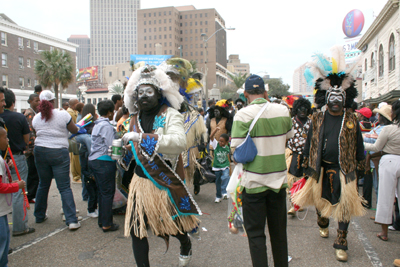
x,y
146,200
350,203
291,179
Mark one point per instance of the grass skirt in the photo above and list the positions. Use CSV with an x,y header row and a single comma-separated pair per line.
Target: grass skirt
x,y
148,205
291,179
349,205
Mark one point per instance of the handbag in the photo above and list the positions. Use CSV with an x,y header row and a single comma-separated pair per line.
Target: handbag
x,y
247,151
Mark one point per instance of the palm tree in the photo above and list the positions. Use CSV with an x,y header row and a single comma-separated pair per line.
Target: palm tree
x,y
55,69
116,89
239,79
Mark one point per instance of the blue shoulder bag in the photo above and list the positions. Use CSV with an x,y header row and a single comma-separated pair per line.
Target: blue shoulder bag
x,y
247,151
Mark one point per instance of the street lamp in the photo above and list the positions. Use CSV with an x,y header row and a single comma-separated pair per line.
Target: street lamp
x,y
205,39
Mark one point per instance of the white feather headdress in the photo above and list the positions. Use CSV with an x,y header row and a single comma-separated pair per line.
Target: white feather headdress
x,y
156,77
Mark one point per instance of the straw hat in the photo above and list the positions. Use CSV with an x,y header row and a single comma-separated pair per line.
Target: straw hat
x,y
385,111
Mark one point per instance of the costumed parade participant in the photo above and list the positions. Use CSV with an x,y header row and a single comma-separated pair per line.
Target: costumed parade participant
x,y
240,103
158,197
195,130
221,118
301,124
334,150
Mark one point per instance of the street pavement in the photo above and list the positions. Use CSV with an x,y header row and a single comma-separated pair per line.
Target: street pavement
x,y
54,245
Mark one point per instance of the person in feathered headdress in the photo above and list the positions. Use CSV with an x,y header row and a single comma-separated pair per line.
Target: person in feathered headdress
x,y
178,69
158,196
334,150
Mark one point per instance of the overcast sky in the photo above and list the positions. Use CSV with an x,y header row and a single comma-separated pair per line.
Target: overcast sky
x,y
273,36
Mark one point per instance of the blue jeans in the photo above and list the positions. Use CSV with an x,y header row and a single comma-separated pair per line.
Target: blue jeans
x,y
104,172
221,181
19,223
4,240
375,183
54,163
85,140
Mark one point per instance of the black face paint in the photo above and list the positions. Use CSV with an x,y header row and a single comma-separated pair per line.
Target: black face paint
x,y
335,102
217,113
239,105
147,97
302,113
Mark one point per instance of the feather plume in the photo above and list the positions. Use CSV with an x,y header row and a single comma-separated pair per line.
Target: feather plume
x,y
193,86
337,56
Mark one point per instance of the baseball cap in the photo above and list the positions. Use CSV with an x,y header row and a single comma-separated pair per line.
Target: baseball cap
x,y
366,112
47,95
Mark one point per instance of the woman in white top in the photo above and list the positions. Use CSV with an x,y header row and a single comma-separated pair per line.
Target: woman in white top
x,y
52,159
389,169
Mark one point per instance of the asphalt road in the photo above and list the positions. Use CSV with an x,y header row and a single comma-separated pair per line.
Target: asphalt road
x,y
54,245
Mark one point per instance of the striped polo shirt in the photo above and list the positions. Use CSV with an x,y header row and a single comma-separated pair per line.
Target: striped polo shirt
x,y
268,170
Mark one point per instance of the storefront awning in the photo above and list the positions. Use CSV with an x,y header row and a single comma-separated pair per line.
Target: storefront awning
x,y
388,97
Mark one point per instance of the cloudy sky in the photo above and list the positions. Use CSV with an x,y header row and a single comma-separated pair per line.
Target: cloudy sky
x,y
273,36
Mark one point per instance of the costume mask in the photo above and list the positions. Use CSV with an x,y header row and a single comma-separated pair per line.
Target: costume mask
x,y
147,97
217,114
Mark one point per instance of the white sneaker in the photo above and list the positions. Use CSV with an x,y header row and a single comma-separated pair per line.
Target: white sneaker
x,y
225,196
74,226
62,211
217,200
79,218
93,214
391,228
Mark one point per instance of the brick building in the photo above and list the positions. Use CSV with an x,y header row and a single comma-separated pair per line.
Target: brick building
x,y
19,49
180,31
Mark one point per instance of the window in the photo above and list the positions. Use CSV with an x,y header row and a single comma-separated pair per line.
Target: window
x,y
90,100
381,61
99,99
51,48
4,81
110,74
4,59
21,81
392,56
21,62
372,60
29,82
36,46
28,43
365,67
20,42
36,82
28,62
4,38
123,73
94,101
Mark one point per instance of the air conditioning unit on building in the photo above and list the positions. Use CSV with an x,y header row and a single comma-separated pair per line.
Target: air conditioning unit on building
x,y
35,51
21,67
22,87
21,47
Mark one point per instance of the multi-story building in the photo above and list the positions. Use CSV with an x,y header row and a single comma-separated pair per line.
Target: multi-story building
x,y
117,72
83,51
182,31
235,66
112,31
19,49
299,81
381,50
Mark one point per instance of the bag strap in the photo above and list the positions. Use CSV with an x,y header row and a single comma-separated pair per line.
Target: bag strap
x,y
257,117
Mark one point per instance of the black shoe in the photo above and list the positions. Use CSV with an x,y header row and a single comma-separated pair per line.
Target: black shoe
x,y
114,227
10,250
45,218
27,231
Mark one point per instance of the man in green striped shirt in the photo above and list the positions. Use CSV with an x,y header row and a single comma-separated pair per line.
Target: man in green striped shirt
x,y
264,180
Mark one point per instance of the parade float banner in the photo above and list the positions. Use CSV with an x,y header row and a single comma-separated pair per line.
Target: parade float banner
x,y
153,60
87,74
